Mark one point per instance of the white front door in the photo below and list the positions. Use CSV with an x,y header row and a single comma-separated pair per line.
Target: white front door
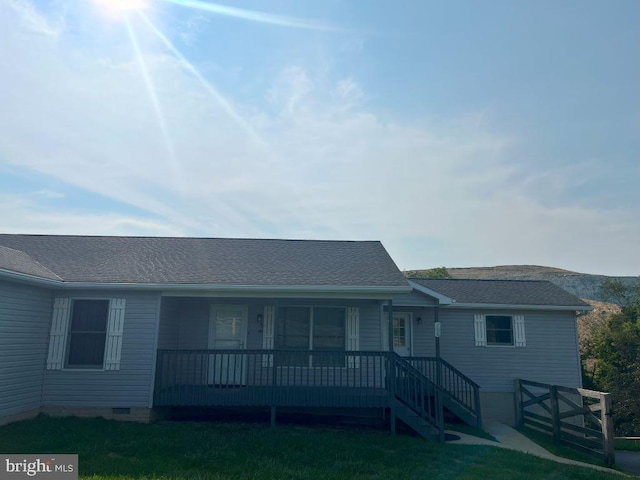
x,y
402,334
227,331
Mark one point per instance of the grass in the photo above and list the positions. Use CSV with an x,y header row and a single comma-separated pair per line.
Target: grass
x,y
113,450
547,442
632,445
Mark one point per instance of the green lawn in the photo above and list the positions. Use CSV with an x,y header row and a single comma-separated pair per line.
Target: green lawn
x,y
633,445
561,450
119,450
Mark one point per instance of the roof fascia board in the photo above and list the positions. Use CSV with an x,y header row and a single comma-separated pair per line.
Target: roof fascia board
x,y
382,292
506,306
26,278
442,299
276,294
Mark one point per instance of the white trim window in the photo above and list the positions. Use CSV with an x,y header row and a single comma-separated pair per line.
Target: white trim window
x,y
86,334
499,330
319,329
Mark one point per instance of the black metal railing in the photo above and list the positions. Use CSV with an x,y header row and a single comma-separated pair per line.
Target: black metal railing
x,y
456,386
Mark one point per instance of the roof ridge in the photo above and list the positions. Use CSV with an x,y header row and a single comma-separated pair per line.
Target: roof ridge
x,y
188,238
482,279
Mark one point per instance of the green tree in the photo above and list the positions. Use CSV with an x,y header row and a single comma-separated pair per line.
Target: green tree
x,y
438,272
614,352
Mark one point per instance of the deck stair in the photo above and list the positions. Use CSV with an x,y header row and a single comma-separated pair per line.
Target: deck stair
x,y
460,394
416,422
416,399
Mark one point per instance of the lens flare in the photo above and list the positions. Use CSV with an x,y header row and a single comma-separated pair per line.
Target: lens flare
x,y
117,7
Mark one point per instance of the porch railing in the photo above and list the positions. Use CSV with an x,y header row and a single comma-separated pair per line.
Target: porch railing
x,y
303,378
459,391
271,377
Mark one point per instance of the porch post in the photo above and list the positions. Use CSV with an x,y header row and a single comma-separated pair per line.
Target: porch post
x,y
436,321
437,393
274,363
392,372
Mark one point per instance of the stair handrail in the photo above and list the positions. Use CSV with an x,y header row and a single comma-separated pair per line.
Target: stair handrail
x,y
467,395
419,402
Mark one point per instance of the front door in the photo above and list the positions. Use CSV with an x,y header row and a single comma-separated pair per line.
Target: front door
x,y
402,334
227,331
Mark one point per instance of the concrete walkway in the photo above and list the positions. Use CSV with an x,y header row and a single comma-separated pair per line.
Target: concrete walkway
x,y
511,439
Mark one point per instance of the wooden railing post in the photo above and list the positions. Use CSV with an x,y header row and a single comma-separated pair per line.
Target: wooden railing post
x,y
518,403
607,429
391,378
274,387
555,413
476,397
391,374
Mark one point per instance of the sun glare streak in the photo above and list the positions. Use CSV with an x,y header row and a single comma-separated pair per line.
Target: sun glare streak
x,y
151,90
253,15
116,7
228,108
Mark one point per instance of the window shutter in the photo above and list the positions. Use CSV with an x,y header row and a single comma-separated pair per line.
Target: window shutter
x,y
481,330
58,336
353,335
268,325
519,331
115,327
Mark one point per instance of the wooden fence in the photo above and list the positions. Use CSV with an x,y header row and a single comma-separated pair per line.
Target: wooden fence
x,y
577,417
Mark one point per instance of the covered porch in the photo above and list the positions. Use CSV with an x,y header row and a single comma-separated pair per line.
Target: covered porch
x,y
315,353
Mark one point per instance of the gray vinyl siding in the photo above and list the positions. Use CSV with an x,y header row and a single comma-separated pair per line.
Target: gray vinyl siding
x,y
370,334
131,385
25,316
550,355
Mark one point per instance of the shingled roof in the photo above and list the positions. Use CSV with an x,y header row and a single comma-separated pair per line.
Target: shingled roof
x,y
208,261
501,292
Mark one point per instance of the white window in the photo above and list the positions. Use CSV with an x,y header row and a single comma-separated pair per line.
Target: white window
x,y
86,334
499,330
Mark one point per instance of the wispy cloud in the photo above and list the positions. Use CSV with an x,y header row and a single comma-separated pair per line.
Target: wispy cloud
x,y
438,191
33,20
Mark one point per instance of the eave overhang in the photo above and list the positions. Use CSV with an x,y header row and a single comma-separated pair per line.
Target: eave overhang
x,y
184,289
507,306
442,299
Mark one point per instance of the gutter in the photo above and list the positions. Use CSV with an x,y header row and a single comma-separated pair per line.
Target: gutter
x,y
503,306
200,287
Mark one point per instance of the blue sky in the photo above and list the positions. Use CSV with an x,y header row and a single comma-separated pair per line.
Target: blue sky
x,y
458,133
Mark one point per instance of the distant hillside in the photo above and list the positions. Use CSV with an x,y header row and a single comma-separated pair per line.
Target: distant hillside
x,y
582,285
